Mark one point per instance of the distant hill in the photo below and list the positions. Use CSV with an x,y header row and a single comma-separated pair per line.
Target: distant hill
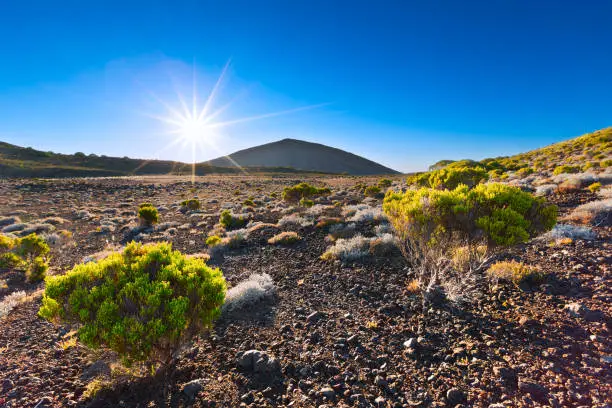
x,y
591,151
302,155
16,161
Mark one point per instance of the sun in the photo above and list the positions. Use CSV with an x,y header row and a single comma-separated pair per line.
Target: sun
x,y
193,130
196,127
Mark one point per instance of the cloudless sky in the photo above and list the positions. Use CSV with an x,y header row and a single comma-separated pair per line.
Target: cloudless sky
x,y
404,83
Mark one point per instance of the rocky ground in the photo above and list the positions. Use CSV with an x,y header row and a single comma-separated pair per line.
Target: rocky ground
x,y
335,334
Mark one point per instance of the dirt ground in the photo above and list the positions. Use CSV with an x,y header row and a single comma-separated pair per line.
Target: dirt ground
x,y
339,330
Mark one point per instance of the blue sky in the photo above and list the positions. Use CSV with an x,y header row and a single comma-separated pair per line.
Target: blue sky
x,y
405,83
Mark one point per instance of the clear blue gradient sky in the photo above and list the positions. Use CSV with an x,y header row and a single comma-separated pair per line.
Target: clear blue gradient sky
x,y
408,82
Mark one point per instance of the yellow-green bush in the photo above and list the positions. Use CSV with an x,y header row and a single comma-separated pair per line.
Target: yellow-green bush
x,y
490,214
303,190
565,169
595,187
29,253
384,183
451,176
191,204
372,191
148,214
142,303
516,272
231,221
304,202
213,240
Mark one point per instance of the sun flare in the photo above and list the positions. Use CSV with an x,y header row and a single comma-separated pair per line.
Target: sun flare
x,y
198,129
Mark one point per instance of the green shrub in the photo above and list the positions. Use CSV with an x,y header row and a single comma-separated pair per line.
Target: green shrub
x,y
606,163
525,171
143,303
148,214
372,191
191,204
303,190
450,177
249,202
29,254
595,187
516,272
213,240
384,183
565,169
304,202
432,224
230,221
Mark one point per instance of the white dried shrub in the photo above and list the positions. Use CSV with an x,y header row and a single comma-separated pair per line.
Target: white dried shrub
x,y
10,301
295,220
605,192
167,225
249,292
342,231
569,231
598,213
350,249
351,210
318,209
383,245
369,214
384,228
83,215
545,189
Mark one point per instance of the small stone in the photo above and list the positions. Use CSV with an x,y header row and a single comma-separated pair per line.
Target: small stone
x,y
536,391
455,396
410,343
247,398
380,402
576,309
192,388
314,317
506,375
328,393
381,382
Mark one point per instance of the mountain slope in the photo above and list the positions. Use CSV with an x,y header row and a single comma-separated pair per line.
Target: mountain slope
x,y
16,161
302,155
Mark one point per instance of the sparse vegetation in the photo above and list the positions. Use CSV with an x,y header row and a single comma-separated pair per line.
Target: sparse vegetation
x,y
148,214
384,183
595,187
231,221
372,191
191,204
515,272
29,253
249,292
566,169
213,240
284,238
303,191
142,303
432,224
